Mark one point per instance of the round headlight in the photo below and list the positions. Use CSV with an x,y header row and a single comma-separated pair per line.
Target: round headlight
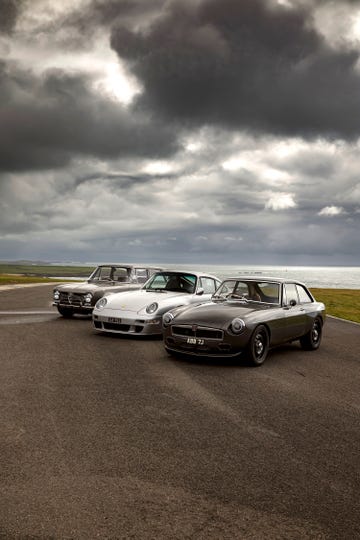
x,y
167,318
100,304
237,325
56,295
88,298
151,308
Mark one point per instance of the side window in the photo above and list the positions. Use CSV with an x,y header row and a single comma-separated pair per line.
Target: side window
x,y
290,293
304,296
141,275
269,292
105,272
242,289
208,285
120,274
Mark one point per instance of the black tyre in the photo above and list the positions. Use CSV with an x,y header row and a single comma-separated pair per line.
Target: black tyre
x,y
311,341
65,312
258,347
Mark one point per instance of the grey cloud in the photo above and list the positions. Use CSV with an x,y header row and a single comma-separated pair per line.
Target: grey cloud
x,y
243,65
132,11
9,10
47,122
79,25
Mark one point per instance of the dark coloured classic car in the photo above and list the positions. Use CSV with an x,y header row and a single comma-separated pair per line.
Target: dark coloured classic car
x,y
70,298
246,317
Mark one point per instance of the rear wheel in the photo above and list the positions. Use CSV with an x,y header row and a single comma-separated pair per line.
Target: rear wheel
x,y
311,341
65,312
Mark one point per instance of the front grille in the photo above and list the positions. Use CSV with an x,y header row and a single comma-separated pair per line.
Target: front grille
x,y
122,327
72,299
197,331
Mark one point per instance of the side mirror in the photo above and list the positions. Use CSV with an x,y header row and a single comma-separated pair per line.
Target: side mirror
x,y
292,303
200,291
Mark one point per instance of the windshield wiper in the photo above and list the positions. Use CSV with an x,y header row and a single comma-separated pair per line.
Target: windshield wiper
x,y
155,290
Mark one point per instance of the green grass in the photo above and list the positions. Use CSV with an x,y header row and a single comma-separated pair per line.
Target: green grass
x,y
13,279
46,270
343,303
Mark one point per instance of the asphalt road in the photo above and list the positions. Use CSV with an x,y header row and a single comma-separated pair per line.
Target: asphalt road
x,y
107,437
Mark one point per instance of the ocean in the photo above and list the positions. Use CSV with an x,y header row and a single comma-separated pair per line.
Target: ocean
x,y
332,277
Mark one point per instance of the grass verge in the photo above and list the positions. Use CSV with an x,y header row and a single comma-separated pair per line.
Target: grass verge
x,y
48,271
343,303
13,279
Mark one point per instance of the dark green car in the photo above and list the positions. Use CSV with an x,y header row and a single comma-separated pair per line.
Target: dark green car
x,y
246,317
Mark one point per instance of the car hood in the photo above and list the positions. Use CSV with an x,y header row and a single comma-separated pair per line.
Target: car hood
x,y
216,315
85,287
137,300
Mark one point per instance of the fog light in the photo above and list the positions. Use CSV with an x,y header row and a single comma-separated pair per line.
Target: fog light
x,y
153,321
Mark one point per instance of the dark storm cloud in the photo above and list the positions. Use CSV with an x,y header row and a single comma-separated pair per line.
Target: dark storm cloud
x,y
243,65
47,121
8,14
133,11
81,24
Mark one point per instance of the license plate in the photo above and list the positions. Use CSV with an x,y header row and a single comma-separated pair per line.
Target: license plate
x,y
115,320
195,341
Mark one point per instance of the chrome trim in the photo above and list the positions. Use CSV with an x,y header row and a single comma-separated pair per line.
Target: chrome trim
x,y
195,328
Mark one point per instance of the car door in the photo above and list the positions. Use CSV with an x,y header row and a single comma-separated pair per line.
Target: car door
x,y
209,286
294,312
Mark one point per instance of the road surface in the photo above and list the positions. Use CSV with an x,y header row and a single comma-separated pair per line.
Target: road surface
x,y
108,437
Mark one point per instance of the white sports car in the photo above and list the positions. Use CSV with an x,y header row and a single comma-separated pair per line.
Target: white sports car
x,y
140,312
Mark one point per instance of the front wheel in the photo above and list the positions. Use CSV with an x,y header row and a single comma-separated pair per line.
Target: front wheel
x,y
311,341
65,312
258,347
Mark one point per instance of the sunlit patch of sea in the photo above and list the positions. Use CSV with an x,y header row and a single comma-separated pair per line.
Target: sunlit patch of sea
x,y
337,277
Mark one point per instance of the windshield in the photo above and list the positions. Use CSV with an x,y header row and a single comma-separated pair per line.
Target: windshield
x,y
172,281
111,273
249,291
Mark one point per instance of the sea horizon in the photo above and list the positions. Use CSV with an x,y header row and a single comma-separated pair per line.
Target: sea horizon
x,y
322,276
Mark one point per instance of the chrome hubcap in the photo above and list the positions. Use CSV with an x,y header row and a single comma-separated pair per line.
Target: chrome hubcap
x,y
315,333
259,345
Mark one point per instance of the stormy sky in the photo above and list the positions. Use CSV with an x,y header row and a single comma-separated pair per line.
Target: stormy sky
x,y
180,131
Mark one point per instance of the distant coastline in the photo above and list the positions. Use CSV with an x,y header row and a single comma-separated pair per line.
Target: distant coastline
x,y
337,277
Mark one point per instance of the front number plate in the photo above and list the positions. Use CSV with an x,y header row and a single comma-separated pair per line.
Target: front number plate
x,y
195,341
115,320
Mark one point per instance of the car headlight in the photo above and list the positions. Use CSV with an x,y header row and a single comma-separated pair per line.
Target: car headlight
x,y
237,325
151,308
167,318
87,298
56,295
100,304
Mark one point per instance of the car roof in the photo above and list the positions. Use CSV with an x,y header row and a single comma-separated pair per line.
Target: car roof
x,y
193,272
264,279
119,265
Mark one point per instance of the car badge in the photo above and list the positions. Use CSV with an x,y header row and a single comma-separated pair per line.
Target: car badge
x,y
194,327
